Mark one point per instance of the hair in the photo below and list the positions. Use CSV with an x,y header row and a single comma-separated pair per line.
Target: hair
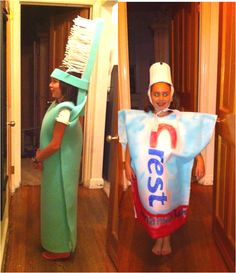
x,y
69,92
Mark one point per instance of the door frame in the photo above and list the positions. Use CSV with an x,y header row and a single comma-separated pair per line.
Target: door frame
x,y
207,74
95,113
207,79
6,176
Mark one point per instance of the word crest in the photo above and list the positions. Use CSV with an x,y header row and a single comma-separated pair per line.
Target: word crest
x,y
156,167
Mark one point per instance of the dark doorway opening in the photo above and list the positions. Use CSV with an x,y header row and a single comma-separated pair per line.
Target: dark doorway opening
x,y
164,32
38,51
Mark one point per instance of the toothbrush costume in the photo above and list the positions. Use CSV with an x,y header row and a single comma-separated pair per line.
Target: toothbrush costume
x,y
61,170
162,151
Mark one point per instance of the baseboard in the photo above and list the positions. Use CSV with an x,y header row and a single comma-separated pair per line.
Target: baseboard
x,y
207,180
96,183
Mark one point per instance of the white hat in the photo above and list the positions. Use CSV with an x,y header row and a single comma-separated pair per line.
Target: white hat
x,y
160,72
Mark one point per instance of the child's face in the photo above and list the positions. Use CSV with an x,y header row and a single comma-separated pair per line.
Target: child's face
x,y
55,89
161,96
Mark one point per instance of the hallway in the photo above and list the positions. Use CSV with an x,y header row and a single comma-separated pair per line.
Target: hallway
x,y
193,247
24,251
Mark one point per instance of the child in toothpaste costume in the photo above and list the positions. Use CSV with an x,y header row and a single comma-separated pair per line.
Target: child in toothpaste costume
x,y
162,145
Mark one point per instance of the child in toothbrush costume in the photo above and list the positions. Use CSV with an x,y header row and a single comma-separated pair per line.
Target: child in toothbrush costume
x,y
61,140
162,145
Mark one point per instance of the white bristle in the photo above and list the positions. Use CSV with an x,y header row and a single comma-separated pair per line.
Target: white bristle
x,y
79,44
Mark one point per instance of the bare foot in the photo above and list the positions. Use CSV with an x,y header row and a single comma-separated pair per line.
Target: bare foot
x,y
157,247
166,247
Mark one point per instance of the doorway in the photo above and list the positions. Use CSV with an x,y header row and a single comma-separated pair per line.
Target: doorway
x,y
107,156
136,246
44,32
166,32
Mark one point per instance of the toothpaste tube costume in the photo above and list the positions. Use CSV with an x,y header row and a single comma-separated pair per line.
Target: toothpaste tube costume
x,y
162,151
60,174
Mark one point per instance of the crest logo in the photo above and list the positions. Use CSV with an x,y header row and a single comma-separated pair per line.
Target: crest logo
x,y
155,165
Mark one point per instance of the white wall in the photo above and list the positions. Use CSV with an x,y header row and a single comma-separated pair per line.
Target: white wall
x,y
96,107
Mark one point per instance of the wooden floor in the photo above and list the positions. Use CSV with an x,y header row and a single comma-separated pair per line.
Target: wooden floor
x,y
193,247
24,251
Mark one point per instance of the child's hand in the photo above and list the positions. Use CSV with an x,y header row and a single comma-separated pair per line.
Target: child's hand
x,y
129,172
200,167
37,152
38,165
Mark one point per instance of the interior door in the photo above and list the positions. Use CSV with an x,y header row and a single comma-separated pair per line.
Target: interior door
x,y
114,174
184,53
6,122
224,175
5,126
3,114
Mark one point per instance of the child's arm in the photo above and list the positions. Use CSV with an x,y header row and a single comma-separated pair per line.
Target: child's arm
x,y
129,172
200,167
52,147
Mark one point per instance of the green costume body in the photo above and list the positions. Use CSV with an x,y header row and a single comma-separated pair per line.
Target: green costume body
x,y
60,176
59,185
